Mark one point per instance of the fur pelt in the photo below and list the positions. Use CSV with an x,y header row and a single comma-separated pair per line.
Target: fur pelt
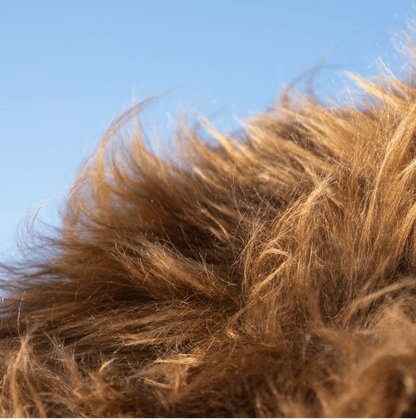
x,y
270,273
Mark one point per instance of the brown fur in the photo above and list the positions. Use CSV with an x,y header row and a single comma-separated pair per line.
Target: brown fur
x,y
269,276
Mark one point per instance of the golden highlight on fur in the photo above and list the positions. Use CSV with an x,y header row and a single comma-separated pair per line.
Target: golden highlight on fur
x,y
273,274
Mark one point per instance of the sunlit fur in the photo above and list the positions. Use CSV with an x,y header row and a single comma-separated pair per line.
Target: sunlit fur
x,y
269,274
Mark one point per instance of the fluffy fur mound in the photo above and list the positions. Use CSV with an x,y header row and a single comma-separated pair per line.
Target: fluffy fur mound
x,y
269,275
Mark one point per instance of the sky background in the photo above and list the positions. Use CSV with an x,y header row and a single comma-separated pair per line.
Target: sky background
x,y
68,68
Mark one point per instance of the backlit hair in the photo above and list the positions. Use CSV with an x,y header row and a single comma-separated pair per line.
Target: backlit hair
x,y
270,273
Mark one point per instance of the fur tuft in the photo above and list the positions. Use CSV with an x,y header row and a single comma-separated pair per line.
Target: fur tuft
x,y
273,275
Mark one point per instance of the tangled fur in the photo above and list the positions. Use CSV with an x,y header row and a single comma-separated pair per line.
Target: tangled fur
x,y
272,274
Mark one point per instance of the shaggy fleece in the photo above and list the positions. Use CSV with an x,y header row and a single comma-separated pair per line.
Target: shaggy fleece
x,y
270,273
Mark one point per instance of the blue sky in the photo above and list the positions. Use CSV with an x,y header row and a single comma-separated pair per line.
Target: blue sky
x,y
68,68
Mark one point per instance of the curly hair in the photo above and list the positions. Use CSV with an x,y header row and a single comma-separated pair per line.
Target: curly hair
x,y
264,274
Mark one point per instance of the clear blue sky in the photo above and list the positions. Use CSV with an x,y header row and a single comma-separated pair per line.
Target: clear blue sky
x,y
68,68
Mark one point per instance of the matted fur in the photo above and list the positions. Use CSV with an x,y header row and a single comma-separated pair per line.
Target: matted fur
x,y
270,275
